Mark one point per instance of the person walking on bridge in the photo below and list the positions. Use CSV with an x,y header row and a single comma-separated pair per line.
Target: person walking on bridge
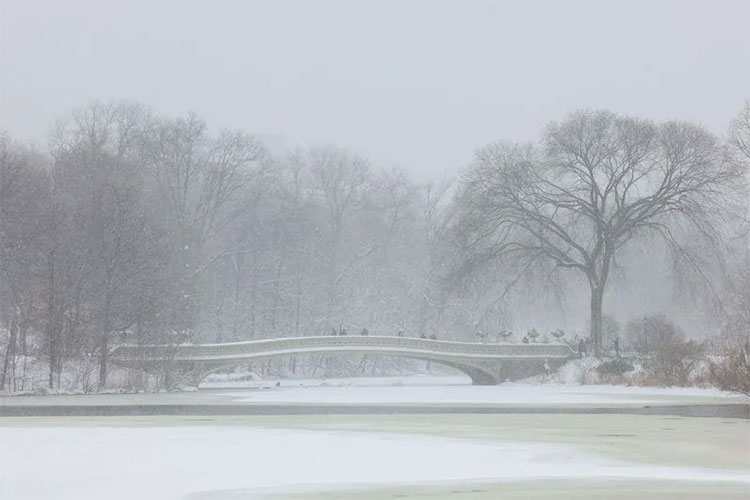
x,y
547,371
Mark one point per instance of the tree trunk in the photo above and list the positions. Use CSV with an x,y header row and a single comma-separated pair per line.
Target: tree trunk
x,y
237,262
104,347
10,353
103,359
597,295
276,297
55,358
52,360
22,330
51,318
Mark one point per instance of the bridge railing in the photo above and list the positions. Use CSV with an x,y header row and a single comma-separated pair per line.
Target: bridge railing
x,y
186,351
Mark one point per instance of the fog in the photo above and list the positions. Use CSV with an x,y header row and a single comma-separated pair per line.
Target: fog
x,y
214,172
350,249
410,84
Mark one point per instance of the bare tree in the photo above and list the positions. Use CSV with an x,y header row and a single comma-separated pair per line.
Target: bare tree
x,y
98,155
596,182
24,190
731,371
341,177
434,204
739,137
43,263
197,177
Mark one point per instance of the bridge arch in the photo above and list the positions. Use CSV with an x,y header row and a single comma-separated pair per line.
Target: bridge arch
x,y
196,373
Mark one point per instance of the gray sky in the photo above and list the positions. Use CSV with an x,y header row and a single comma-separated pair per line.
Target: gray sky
x,y
418,85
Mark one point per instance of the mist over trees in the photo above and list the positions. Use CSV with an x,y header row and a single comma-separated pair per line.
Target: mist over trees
x,y
132,227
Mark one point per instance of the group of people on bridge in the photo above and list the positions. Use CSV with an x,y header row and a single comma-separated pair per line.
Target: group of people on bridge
x,y
584,346
341,332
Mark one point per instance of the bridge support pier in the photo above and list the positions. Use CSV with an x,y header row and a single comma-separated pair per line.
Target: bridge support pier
x,y
497,372
182,373
481,377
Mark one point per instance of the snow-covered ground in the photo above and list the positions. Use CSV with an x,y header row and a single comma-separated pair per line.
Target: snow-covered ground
x,y
416,390
456,390
188,461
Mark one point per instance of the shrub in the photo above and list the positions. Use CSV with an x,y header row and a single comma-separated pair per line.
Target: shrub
x,y
673,363
612,371
731,371
614,367
587,372
670,359
650,333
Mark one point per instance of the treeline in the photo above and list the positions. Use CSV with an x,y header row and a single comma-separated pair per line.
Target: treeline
x,y
139,228
133,227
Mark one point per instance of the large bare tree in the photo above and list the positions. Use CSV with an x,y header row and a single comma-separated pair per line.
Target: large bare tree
x,y
595,182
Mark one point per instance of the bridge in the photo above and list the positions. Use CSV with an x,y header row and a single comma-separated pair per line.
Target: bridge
x,y
486,364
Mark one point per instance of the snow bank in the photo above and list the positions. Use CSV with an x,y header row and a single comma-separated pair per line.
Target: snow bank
x,y
456,390
77,377
411,380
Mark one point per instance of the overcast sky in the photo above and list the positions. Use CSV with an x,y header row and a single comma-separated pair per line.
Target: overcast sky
x,y
418,85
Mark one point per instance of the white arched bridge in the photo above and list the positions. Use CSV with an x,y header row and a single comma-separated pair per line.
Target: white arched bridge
x,y
486,364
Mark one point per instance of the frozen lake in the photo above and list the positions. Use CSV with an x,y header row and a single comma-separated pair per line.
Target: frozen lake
x,y
375,456
179,458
